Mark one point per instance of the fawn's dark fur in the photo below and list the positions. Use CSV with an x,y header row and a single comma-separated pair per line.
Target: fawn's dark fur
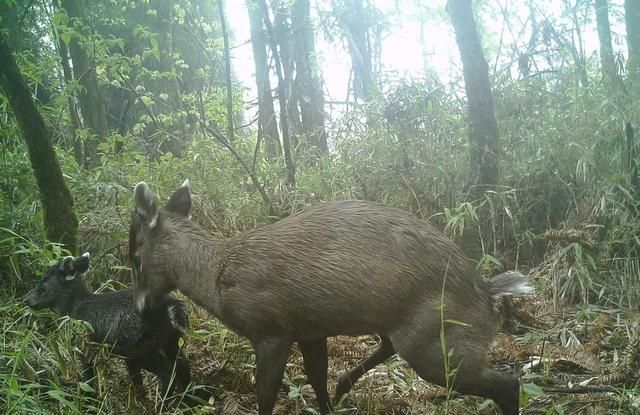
x,y
149,342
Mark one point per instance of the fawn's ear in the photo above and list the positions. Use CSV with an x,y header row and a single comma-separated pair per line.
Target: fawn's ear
x,y
145,202
180,201
81,264
67,270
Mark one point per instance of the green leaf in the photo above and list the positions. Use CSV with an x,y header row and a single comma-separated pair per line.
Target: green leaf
x,y
532,389
66,36
592,262
85,387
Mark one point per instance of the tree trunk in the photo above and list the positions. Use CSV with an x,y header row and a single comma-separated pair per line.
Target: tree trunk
x,y
524,58
282,99
632,23
91,102
78,151
356,31
267,123
630,159
607,59
60,222
422,21
168,31
577,48
227,69
307,82
284,43
483,128
20,37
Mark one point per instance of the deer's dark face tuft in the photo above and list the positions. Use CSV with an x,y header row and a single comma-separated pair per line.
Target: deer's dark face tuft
x,y
58,279
147,238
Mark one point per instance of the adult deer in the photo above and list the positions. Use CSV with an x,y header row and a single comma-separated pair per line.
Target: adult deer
x,y
340,268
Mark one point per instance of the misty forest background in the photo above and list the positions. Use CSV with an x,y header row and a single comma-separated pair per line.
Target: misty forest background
x,y
525,153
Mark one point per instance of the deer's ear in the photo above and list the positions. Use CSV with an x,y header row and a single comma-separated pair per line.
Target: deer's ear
x,y
180,201
81,264
145,202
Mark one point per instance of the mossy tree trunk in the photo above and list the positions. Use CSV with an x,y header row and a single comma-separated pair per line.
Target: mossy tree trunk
x,y
60,222
483,127
92,106
20,37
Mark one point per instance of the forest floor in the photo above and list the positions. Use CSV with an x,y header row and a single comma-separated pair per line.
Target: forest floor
x,y
595,372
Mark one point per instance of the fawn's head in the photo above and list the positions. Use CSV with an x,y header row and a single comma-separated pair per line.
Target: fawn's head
x,y
59,280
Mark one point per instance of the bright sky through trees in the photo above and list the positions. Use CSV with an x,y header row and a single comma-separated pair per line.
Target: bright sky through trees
x,y
402,49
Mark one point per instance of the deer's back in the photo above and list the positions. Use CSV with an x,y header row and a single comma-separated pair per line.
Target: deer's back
x,y
347,267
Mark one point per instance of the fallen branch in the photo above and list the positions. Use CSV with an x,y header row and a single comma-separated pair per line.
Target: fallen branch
x,y
580,389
